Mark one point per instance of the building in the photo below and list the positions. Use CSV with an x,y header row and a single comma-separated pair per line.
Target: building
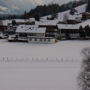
x,y
3,30
68,31
12,26
74,19
32,34
51,28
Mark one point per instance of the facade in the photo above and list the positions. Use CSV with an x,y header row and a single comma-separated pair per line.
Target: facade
x,y
74,19
51,28
32,34
67,31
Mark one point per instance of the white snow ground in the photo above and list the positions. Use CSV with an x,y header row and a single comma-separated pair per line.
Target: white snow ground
x,y
40,75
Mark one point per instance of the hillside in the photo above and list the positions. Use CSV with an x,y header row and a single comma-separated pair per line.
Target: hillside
x,y
12,8
80,9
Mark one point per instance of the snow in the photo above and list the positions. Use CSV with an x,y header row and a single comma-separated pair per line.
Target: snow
x,y
85,23
68,26
40,75
6,22
80,9
51,51
48,22
30,29
26,66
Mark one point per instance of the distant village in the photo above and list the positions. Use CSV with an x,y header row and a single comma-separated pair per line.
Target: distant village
x,y
73,24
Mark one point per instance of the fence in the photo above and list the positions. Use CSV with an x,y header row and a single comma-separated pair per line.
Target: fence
x,y
37,60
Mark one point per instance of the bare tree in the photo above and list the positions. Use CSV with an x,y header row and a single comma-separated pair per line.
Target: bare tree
x,y
84,76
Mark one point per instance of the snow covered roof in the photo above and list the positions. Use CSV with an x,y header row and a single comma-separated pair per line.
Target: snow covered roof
x,y
81,8
31,20
71,17
20,20
48,22
30,29
85,23
68,26
74,17
6,22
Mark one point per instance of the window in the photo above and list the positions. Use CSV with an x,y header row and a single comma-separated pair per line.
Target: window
x,y
40,39
45,39
23,35
30,39
49,40
35,39
21,26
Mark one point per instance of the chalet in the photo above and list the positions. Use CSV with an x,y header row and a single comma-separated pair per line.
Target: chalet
x,y
12,26
74,19
51,28
68,31
31,33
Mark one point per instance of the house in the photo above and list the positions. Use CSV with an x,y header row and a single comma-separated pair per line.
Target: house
x,y
68,31
31,33
51,28
74,19
12,26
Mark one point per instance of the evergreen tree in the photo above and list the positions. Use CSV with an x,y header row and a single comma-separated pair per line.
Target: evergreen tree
x,y
37,17
88,7
67,34
82,33
14,22
87,30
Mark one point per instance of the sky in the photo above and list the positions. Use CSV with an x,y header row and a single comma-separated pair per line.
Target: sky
x,y
48,1
12,6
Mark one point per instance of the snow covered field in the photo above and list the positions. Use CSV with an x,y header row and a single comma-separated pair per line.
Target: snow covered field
x,y
40,75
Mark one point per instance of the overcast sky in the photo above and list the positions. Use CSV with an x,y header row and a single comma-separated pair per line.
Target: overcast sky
x,y
48,1
24,5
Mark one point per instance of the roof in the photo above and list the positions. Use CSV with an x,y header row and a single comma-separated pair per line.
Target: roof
x,y
30,29
68,26
48,23
6,22
85,23
73,17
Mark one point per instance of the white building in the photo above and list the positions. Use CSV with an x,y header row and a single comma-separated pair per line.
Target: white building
x,y
32,33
